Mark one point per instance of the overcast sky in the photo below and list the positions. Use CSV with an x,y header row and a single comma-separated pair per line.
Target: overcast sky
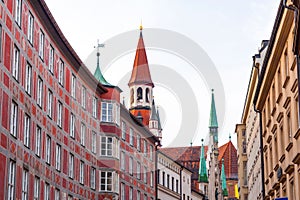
x,y
230,32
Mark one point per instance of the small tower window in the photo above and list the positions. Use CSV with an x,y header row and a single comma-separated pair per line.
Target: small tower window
x,y
139,93
147,95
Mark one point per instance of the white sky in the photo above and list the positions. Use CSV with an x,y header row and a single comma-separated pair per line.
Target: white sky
x,y
229,31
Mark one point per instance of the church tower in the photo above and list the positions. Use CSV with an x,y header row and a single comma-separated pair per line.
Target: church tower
x,y
141,85
214,185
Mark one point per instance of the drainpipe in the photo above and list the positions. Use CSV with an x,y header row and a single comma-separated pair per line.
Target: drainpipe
x,y
296,53
261,141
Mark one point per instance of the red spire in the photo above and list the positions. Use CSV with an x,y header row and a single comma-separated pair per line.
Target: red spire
x,y
140,72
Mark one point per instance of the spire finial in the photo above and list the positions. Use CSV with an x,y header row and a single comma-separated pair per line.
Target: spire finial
x,y
212,90
141,26
202,141
229,137
191,143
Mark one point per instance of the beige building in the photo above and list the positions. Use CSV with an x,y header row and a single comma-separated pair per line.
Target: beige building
x,y
276,98
248,135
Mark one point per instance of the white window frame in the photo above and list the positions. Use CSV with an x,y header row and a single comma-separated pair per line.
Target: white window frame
x,y
95,100
130,165
151,152
122,191
106,146
73,86
145,147
30,27
71,165
26,130
18,11
47,191
57,194
106,112
94,142
50,103
72,125
145,174
123,160
106,181
51,59
48,149
82,134
131,193
28,77
11,180
61,72
41,44
138,195
81,172
93,178
16,63
58,157
151,179
36,188
123,130
59,113
131,138
14,119
25,185
83,97
39,91
138,170
38,140
138,142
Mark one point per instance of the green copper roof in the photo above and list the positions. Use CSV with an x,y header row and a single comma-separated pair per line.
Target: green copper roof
x,y
202,167
223,179
98,74
153,112
213,121
158,118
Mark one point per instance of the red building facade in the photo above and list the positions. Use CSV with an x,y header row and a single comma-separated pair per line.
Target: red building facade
x,y
63,134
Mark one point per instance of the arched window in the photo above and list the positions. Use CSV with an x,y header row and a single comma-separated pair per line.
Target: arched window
x,y
131,96
147,95
139,93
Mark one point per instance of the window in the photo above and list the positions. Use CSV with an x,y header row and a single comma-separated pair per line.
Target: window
x,y
123,130
131,137
36,188
71,166
95,107
138,195
151,179
109,146
138,142
93,178
157,176
151,152
130,193
107,109
82,134
106,181
83,97
61,69
59,113
168,181
177,185
70,197
30,28
72,125
51,59
50,100
18,10
25,185
172,185
58,157
73,86
13,119
123,160
57,194
138,170
0,42
145,147
47,191
11,180
26,130
81,172
48,149
39,91
94,140
145,174
163,178
38,141
145,197
41,45
16,63
28,75
130,165
122,191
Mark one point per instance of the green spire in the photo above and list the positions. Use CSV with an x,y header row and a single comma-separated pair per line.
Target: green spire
x,y
158,119
223,179
98,74
213,121
202,167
